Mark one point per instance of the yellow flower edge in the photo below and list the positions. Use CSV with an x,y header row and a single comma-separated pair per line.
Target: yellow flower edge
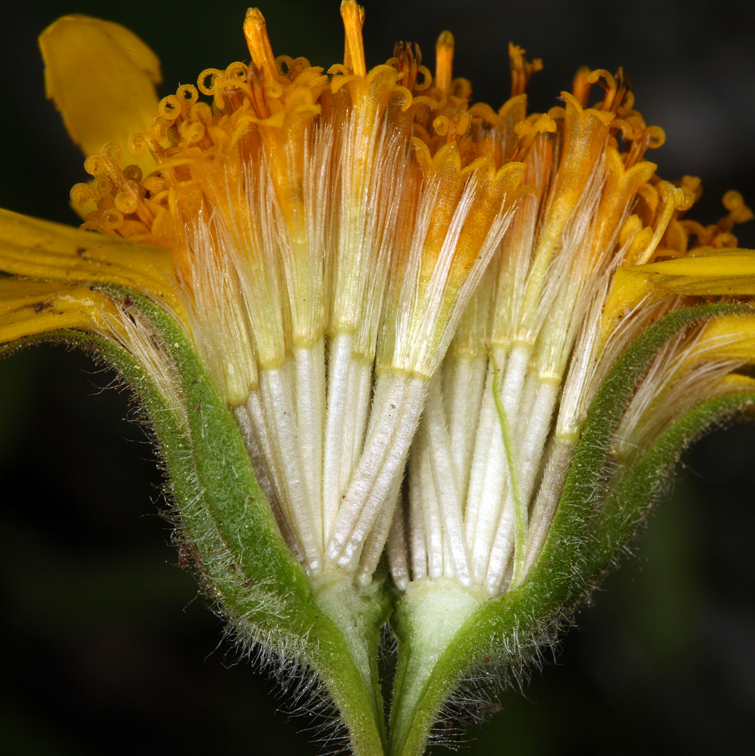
x,y
106,102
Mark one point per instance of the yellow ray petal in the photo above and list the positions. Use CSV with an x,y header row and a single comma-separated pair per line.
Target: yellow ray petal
x,y
102,78
30,308
710,272
731,337
736,382
41,249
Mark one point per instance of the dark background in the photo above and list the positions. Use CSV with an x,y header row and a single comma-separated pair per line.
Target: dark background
x,y
106,648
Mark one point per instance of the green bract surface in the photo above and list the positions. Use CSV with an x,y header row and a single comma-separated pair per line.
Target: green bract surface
x,y
591,525
445,631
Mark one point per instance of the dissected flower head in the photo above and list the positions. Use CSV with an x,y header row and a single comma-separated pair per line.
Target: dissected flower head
x,y
326,232
437,326
324,227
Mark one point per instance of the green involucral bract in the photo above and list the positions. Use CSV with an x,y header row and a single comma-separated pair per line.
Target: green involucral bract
x,y
332,629
447,632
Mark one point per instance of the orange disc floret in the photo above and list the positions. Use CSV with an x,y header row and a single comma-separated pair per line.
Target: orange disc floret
x,y
282,165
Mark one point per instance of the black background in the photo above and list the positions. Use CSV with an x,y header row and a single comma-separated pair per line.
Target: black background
x,y
106,648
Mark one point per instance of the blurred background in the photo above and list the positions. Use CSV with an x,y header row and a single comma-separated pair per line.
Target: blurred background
x,y
106,647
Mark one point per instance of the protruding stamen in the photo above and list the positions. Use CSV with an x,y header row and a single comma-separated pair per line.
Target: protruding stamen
x,y
407,58
257,91
581,85
255,31
522,70
353,20
616,87
444,58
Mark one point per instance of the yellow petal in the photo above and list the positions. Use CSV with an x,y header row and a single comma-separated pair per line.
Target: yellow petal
x,y
102,78
727,339
30,308
731,337
41,249
736,382
710,272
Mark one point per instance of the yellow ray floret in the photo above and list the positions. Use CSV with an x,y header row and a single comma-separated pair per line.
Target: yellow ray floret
x,y
711,272
41,249
729,338
31,308
102,78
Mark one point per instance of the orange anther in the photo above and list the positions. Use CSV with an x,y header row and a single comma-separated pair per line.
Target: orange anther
x,y
255,31
353,20
522,70
444,58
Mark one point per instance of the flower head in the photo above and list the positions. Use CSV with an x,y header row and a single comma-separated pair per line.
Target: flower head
x,y
311,217
418,326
